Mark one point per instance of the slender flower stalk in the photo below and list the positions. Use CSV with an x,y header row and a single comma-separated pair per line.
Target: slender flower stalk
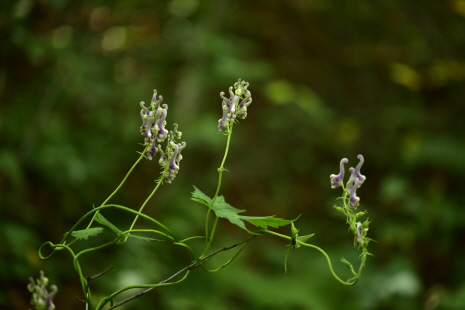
x,y
153,129
234,106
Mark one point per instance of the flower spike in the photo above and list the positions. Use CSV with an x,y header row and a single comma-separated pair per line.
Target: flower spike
x,y
153,129
234,106
42,299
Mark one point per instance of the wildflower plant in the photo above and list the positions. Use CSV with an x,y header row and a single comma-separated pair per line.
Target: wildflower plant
x,y
155,133
41,296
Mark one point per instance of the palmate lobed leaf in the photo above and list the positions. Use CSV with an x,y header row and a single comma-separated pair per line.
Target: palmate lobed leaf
x,y
143,238
86,233
102,220
265,221
225,210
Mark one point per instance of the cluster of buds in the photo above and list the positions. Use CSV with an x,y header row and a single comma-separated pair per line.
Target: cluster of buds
x,y
153,129
153,123
355,181
172,155
41,297
236,105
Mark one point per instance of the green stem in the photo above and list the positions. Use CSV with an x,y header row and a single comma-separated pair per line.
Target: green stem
x,y
348,282
149,287
191,238
160,181
276,234
150,231
63,245
218,187
120,185
116,190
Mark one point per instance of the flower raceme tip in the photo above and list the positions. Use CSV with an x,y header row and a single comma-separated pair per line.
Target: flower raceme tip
x,y
356,179
234,106
153,129
42,299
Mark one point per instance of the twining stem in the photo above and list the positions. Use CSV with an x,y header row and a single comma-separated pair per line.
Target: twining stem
x,y
348,282
208,240
116,190
159,182
166,282
120,185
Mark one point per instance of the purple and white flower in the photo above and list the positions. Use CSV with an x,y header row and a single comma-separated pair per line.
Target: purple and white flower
x,y
234,106
337,180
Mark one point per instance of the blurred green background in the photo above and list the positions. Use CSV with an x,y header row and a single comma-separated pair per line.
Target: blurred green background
x,y
329,79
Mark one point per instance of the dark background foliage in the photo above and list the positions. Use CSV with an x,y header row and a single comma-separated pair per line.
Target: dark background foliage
x,y
329,79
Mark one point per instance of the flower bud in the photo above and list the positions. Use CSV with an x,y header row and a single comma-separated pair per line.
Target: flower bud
x,y
352,188
152,150
359,232
155,104
162,133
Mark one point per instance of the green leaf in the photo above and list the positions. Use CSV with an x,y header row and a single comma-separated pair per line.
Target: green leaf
x,y
221,207
102,220
224,210
265,221
143,238
349,265
304,238
198,196
86,233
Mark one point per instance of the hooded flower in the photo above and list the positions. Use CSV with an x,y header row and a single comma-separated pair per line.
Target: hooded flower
x,y
175,158
147,123
352,186
337,180
357,174
151,151
160,123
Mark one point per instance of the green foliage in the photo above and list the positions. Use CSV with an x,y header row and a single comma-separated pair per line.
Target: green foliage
x,y
86,233
153,131
384,78
102,220
224,210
